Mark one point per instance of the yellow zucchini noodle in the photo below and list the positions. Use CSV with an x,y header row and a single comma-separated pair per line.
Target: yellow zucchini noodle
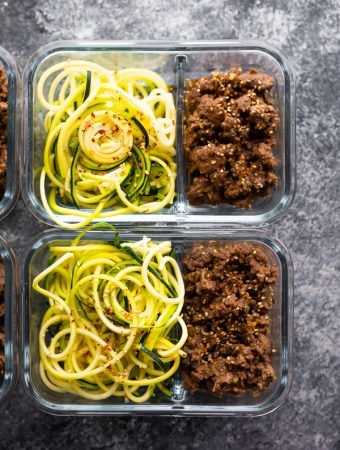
x,y
109,327
109,145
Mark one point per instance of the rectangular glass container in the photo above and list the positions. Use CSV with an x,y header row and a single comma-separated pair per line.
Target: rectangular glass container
x,y
10,196
183,403
176,62
9,378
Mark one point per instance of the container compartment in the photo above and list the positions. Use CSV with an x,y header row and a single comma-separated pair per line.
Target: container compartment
x,y
7,201
201,63
8,379
182,403
176,62
164,62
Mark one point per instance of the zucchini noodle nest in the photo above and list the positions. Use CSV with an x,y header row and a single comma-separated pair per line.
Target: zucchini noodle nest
x,y
109,329
109,145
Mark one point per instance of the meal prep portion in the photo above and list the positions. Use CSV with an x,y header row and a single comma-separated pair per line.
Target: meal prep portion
x,y
2,318
109,329
109,147
228,299
115,326
230,137
3,129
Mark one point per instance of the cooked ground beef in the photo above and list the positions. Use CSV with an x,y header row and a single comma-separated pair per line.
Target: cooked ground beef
x,y
2,314
229,297
3,129
229,137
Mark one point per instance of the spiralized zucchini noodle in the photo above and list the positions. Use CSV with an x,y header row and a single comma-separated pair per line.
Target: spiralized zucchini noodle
x,y
109,147
113,316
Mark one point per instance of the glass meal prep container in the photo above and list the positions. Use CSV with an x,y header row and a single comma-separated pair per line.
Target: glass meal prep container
x,y
8,379
182,403
11,192
176,62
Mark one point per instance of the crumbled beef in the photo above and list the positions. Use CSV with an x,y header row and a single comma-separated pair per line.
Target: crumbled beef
x,y
3,129
229,297
229,138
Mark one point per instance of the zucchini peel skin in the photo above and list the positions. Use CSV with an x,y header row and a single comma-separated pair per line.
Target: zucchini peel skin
x,y
110,118
107,330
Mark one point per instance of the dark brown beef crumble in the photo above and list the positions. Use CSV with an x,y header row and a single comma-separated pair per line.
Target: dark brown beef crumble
x,y
3,129
229,137
228,300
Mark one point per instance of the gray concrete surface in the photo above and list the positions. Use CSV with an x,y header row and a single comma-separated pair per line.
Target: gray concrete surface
x,y
308,31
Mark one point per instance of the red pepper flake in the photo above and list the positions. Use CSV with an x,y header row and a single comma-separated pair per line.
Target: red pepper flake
x,y
87,124
93,114
80,158
107,349
101,131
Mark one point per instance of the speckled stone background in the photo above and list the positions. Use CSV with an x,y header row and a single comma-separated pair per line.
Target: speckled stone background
x,y
309,33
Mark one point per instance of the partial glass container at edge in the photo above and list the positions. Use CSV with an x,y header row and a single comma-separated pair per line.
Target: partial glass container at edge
x,y
11,192
183,402
8,379
175,62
